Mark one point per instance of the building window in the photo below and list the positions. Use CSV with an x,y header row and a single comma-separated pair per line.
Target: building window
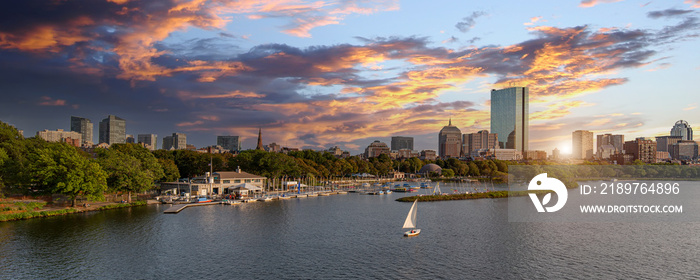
x,y
257,180
248,180
236,181
227,181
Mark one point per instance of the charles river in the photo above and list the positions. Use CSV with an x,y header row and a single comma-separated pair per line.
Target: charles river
x,y
342,236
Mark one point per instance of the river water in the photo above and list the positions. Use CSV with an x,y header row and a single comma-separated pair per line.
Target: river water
x,y
337,237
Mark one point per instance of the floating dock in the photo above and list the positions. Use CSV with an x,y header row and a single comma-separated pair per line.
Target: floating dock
x,y
176,208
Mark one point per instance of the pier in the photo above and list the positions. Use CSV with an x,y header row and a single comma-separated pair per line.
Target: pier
x,y
178,207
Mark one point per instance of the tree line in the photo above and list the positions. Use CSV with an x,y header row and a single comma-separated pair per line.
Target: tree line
x,y
33,166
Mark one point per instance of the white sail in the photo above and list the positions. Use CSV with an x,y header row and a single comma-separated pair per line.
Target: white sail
x,y
411,218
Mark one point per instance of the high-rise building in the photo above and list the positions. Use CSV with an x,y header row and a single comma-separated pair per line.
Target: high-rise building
x,y
150,141
509,117
84,127
616,140
582,144
684,150
178,141
450,141
113,130
477,141
401,142
642,149
555,154
130,139
231,143
376,148
682,128
664,143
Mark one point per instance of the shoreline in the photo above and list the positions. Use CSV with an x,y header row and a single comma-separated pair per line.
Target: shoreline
x,y
466,196
60,211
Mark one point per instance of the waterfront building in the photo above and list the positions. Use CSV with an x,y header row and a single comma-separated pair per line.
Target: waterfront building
x,y
510,117
112,130
450,141
642,149
84,127
70,137
149,141
428,155
480,140
622,158
177,141
664,143
401,142
615,140
220,182
582,144
376,148
231,143
684,150
682,129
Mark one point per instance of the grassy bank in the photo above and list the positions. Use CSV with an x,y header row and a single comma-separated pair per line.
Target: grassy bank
x,y
11,211
463,196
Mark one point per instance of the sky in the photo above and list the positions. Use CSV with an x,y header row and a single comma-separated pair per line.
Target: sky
x,y
318,74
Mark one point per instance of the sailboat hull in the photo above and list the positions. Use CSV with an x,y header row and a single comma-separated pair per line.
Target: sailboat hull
x,y
410,233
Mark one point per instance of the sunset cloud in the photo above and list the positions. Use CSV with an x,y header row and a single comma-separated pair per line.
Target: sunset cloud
x,y
48,101
591,3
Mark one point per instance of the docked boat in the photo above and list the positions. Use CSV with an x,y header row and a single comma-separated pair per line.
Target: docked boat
x,y
266,198
230,201
411,222
203,200
248,200
401,189
284,197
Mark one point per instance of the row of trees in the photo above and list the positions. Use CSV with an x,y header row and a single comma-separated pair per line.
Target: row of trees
x,y
33,166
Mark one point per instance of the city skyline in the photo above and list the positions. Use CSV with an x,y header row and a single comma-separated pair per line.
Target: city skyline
x,y
348,73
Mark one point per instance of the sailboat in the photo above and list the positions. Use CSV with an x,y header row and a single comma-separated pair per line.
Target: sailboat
x,y
411,221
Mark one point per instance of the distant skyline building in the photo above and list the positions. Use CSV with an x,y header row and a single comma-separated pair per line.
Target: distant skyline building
x,y
510,117
84,127
130,139
113,130
177,141
231,143
401,142
615,140
376,148
642,149
477,141
664,143
684,150
70,137
683,129
450,141
150,141
582,144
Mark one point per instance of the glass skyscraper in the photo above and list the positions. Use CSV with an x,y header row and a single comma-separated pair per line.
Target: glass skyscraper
x,y
84,127
509,117
113,130
682,129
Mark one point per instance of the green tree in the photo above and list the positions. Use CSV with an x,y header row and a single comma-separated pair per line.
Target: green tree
x,y
170,171
61,168
130,168
449,173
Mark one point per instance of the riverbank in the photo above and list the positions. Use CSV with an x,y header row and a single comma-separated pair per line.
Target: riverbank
x,y
463,196
13,210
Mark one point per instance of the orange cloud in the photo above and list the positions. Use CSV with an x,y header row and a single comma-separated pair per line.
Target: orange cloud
x,y
48,101
591,3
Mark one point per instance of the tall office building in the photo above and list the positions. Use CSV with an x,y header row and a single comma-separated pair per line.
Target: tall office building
x,y
401,143
113,130
450,141
178,141
477,141
150,141
509,117
84,127
582,144
682,129
231,143
642,149
664,143
616,140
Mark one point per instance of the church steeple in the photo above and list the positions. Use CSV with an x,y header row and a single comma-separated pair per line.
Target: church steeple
x,y
260,146
450,124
